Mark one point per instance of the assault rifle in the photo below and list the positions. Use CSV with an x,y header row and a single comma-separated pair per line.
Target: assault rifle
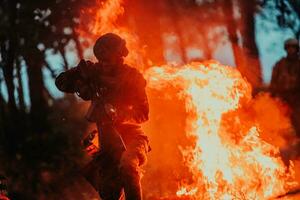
x,y
101,112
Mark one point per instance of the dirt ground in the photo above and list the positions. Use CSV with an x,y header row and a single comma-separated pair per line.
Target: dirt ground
x,y
79,188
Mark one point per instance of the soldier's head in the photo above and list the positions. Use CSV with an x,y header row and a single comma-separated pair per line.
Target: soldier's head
x,y
110,48
291,46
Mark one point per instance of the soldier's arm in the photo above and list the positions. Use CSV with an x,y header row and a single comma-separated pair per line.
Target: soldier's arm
x,y
143,105
140,105
274,78
109,81
72,80
67,81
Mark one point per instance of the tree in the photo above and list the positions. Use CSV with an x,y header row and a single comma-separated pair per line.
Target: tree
x,y
290,15
244,47
143,17
29,133
25,28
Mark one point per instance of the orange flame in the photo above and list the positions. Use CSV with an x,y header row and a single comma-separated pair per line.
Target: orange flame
x,y
102,18
229,159
245,167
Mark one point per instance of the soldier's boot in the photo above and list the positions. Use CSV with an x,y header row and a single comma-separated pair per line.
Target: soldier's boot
x,y
109,181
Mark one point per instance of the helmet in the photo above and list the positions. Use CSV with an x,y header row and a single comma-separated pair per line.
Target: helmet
x,y
292,42
110,45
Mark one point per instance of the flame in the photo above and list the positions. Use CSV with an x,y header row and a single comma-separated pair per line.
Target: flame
x,y
228,159
225,164
102,18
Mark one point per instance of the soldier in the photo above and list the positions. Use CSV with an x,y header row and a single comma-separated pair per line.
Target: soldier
x,y
285,82
118,106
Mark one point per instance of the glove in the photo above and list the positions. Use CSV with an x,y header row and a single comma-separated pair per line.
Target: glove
x,y
83,68
83,90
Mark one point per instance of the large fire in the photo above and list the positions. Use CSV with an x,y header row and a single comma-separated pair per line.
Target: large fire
x,y
227,158
225,163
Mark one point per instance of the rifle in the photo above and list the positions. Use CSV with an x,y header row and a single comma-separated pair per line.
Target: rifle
x,y
104,114
110,142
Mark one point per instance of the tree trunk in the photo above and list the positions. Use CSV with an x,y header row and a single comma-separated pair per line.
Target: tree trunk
x,y
174,13
232,29
296,6
20,87
38,100
63,55
2,117
252,69
10,115
207,50
143,17
7,52
78,45
8,47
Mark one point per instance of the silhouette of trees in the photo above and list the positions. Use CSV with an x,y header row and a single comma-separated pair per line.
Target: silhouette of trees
x,y
39,135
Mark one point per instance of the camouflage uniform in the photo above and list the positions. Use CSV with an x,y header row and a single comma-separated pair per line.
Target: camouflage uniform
x,y
285,84
124,88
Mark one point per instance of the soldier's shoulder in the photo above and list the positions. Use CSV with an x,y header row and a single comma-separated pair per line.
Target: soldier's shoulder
x,y
282,60
128,67
131,70
83,62
280,63
135,75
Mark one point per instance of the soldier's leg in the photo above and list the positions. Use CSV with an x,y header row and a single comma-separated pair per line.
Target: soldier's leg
x,y
130,163
110,182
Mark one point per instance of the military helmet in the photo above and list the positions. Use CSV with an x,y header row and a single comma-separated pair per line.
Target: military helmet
x,y
292,42
110,44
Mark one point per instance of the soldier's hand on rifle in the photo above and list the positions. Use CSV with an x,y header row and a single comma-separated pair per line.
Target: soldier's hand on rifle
x,y
83,68
83,90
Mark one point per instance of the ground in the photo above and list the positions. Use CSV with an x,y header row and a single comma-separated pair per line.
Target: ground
x,y
78,188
